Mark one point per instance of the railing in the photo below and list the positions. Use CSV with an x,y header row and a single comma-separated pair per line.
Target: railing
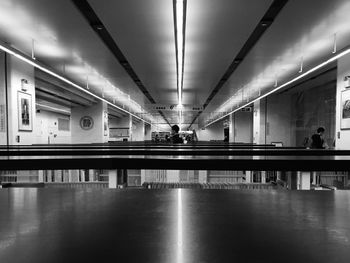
x,y
225,163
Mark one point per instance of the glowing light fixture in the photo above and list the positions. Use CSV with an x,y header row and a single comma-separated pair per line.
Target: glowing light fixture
x,y
323,64
180,26
52,108
42,67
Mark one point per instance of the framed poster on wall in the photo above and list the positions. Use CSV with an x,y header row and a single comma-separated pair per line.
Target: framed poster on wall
x,y
345,110
25,111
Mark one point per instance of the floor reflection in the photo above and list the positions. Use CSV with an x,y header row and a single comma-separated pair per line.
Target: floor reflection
x,y
180,225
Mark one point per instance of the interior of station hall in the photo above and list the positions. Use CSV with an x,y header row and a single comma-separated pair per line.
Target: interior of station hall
x,y
259,72
224,83
93,169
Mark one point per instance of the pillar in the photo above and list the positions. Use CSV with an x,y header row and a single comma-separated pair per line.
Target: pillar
x,y
91,175
248,177
90,124
203,176
3,105
40,176
112,179
82,175
130,128
231,128
304,180
259,119
263,177
143,176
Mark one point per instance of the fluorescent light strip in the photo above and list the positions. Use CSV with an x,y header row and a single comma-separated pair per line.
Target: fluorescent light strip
x,y
53,108
332,59
180,45
43,68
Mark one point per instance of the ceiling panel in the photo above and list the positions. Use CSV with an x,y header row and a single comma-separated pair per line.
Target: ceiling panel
x,y
215,32
144,31
64,41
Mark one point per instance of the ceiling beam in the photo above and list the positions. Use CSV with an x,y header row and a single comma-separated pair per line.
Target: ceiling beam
x,y
96,24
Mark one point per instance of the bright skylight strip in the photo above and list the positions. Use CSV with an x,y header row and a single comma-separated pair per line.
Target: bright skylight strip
x,y
38,65
180,45
180,13
332,59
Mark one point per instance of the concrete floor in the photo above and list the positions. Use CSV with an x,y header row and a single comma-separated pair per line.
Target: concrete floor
x,y
66,225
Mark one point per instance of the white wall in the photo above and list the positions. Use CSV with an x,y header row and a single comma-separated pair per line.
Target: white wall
x,y
212,132
94,135
47,132
278,120
160,128
18,70
243,126
342,136
138,131
119,122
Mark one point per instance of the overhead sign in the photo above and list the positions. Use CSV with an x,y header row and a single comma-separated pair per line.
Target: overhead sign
x,y
174,107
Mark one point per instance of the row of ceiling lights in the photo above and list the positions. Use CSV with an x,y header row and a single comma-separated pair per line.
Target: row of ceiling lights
x,y
279,87
33,62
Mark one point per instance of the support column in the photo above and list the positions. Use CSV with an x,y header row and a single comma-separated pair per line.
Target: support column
x,y
248,177
82,175
203,176
130,128
90,124
231,128
263,177
40,176
259,121
143,176
112,179
304,180
91,175
278,175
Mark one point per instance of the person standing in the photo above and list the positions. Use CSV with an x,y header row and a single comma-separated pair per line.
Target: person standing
x,y
175,138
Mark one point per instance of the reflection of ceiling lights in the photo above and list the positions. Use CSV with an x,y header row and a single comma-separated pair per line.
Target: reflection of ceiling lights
x,y
323,64
38,65
180,25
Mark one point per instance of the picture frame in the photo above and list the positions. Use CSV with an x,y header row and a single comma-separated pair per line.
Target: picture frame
x,y
25,118
345,110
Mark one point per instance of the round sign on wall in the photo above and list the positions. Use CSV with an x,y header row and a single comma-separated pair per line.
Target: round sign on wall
x,y
86,123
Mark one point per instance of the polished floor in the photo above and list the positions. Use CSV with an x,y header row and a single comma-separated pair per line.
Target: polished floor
x,y
65,225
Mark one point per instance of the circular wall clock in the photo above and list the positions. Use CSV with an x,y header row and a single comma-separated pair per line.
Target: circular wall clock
x,y
86,123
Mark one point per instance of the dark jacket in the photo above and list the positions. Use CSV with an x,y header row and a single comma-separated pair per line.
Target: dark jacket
x,y
177,139
317,142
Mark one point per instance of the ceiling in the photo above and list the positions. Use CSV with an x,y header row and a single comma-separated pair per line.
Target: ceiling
x,y
144,32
